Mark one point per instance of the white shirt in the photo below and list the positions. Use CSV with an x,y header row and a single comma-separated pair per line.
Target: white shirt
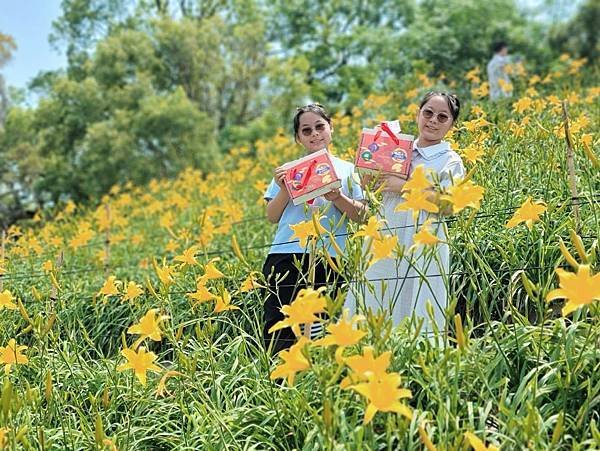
x,y
496,71
441,160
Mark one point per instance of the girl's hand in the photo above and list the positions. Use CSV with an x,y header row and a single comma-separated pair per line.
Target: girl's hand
x,y
365,180
392,183
279,176
333,195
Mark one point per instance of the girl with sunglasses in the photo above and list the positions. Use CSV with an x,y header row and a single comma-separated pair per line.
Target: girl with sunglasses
x,y
286,268
403,286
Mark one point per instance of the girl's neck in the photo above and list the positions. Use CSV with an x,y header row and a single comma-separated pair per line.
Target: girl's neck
x,y
425,143
308,152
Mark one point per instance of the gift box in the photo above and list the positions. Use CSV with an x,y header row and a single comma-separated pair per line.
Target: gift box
x,y
384,150
310,177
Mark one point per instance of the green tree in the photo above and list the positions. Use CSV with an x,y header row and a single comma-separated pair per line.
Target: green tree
x,y
147,92
579,36
7,46
454,36
344,41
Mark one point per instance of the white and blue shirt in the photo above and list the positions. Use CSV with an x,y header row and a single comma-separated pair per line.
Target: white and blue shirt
x,y
441,160
332,220
496,70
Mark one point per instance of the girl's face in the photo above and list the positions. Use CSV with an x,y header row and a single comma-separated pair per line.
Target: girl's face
x,y
314,133
434,120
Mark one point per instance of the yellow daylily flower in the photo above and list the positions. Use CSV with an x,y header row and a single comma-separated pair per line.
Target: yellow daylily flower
x,y
188,256
250,283
3,437
472,154
424,237
223,303
417,201
294,361
211,272
6,301
366,365
477,444
418,180
11,355
172,246
202,294
140,362
473,75
578,289
110,287
305,230
47,266
383,248
522,105
528,213
302,310
384,395
165,273
342,334
148,327
81,239
477,110
506,86
464,195
132,291
371,229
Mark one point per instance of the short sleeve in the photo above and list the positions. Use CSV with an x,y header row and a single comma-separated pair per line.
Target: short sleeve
x,y
271,191
452,173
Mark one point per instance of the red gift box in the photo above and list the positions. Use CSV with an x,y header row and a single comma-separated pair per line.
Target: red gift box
x,y
384,151
310,177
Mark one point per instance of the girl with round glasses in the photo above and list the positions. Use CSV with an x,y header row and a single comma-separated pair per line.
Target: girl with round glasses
x,y
286,268
404,286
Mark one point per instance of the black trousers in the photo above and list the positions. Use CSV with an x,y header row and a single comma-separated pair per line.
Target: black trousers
x,y
286,275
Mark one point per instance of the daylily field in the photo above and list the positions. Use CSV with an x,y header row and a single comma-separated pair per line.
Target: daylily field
x,y
136,324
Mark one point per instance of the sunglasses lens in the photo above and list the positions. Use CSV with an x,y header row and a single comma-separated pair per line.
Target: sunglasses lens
x,y
427,114
443,118
308,131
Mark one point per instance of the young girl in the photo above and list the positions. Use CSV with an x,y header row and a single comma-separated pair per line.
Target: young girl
x,y
287,265
404,286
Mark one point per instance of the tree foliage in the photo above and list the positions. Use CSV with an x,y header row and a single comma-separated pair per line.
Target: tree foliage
x,y
7,46
579,36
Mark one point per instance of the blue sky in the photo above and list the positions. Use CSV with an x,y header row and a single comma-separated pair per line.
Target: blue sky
x,y
29,22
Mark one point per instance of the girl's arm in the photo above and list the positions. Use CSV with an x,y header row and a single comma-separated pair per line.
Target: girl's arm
x,y
355,210
276,205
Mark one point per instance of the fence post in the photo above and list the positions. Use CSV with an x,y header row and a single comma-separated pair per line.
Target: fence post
x,y
2,254
571,167
58,262
107,241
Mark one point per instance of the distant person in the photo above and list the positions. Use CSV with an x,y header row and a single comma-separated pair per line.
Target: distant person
x,y
496,71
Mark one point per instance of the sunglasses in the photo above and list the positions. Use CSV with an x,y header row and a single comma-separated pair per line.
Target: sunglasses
x,y
307,131
441,117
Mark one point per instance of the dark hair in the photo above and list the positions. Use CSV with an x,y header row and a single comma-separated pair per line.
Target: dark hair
x,y
451,99
316,108
499,45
